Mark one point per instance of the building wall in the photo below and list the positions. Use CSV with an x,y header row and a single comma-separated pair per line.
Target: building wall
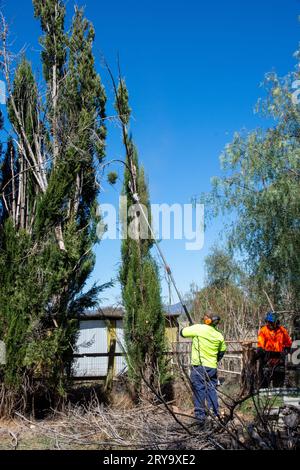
x,y
171,332
92,339
96,336
171,335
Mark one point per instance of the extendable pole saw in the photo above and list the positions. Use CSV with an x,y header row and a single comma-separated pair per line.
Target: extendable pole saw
x,y
133,189
167,267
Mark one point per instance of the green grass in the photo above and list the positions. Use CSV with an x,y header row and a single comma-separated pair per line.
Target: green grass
x,y
259,404
232,389
26,442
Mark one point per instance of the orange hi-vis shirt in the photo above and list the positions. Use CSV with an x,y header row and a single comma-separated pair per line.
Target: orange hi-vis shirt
x,y
273,340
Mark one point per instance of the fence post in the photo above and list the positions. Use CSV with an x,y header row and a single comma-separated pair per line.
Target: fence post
x,y
249,368
112,342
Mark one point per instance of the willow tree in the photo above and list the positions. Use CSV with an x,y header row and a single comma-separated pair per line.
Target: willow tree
x,y
139,276
49,190
261,185
228,293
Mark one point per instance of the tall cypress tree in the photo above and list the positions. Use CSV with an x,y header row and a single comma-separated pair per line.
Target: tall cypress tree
x,y
48,197
139,276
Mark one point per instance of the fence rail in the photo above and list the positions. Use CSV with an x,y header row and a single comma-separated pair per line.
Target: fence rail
x,y
232,362
180,355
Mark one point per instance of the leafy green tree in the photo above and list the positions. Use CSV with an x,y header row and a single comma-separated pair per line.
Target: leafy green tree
x,y
227,292
260,185
48,219
221,269
139,276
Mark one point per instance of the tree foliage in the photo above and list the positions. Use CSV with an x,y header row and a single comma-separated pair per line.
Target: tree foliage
x,y
229,293
139,276
260,186
49,190
221,268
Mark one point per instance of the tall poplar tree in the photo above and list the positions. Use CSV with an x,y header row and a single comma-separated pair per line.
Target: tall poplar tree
x,y
48,215
139,276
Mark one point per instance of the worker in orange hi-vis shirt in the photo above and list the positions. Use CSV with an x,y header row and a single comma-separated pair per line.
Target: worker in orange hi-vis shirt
x,y
273,345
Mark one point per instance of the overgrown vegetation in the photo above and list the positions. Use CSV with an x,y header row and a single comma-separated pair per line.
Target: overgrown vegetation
x,y
49,186
260,187
144,320
228,292
48,216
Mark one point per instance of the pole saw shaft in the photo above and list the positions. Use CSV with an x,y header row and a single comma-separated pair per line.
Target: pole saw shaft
x,y
167,267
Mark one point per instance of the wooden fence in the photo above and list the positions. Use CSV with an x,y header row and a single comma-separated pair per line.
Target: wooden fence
x,y
233,362
237,362
235,358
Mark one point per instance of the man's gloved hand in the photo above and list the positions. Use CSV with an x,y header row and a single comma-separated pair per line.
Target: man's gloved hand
x,y
220,355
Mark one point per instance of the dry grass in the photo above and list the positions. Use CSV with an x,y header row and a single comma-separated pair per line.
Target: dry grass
x,y
159,425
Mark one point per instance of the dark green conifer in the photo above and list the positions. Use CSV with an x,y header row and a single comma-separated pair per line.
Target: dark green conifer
x,y
139,276
48,199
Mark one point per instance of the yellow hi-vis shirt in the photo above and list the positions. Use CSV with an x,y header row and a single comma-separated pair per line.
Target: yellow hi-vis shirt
x,y
207,343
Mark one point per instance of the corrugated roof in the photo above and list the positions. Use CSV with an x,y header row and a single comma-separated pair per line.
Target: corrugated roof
x,y
118,312
105,312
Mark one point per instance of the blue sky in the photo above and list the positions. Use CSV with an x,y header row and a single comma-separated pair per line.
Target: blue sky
x,y
193,70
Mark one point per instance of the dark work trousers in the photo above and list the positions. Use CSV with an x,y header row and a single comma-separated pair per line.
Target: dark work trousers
x,y
204,382
272,370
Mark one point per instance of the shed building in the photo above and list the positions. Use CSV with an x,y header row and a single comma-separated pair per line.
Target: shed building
x,y
100,343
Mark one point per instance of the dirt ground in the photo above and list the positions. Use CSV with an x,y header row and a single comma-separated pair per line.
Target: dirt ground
x,y
14,436
114,421
19,434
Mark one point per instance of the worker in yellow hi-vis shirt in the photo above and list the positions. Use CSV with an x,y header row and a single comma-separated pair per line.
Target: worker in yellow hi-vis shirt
x,y
208,348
